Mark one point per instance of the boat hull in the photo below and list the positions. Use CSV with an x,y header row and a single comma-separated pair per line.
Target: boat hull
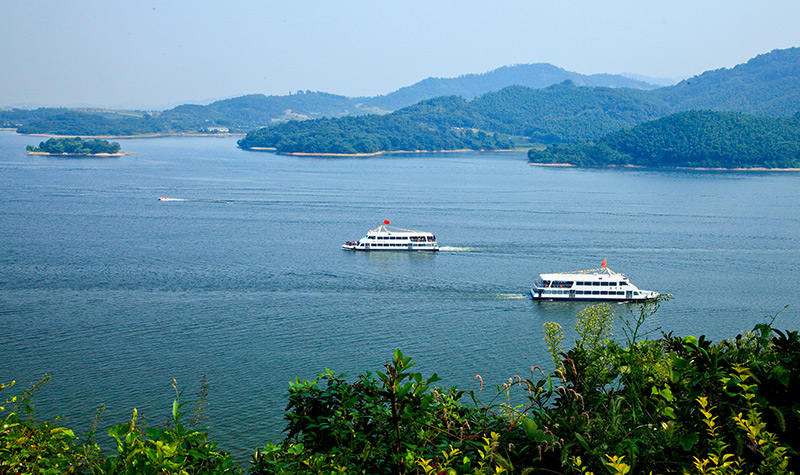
x,y
535,295
347,247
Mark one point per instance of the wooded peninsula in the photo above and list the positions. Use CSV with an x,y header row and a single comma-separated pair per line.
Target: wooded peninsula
x,y
696,139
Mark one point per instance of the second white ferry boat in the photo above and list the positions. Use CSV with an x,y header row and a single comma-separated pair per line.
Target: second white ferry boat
x,y
593,284
385,238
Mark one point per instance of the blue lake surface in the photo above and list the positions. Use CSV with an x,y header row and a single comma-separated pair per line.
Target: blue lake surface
x,y
113,292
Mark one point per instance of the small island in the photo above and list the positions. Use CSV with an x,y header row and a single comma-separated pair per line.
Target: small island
x,y
76,147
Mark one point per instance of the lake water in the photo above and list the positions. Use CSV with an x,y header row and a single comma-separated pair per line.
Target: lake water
x,y
114,293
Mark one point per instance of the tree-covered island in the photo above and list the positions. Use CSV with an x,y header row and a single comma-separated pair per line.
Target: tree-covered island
x,y
694,139
76,147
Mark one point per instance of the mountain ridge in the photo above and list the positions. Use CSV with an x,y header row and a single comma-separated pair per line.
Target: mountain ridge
x,y
251,111
767,85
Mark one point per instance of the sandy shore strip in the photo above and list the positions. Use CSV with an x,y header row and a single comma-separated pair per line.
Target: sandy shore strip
x,y
753,169
372,154
552,164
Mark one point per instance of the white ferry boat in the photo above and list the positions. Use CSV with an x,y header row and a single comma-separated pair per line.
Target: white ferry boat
x,y
594,284
385,238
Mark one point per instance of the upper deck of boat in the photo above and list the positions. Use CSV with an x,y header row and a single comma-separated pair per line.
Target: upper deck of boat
x,y
589,274
384,230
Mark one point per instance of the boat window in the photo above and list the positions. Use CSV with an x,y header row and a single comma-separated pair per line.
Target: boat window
x,y
604,292
595,283
595,292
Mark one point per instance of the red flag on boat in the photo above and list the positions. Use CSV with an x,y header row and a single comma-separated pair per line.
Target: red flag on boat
x,y
385,221
604,263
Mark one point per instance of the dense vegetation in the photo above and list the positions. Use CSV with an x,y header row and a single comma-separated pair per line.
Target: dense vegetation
x,y
669,405
75,146
690,139
768,84
69,122
393,132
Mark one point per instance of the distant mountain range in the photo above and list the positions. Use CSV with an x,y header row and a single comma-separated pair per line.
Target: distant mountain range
x,y
245,113
509,107
768,85
473,85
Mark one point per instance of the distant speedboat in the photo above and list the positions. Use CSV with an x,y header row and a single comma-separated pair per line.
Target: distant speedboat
x,y
385,238
594,284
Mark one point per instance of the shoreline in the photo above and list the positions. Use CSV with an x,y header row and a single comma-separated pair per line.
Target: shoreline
x,y
371,154
752,169
64,154
141,136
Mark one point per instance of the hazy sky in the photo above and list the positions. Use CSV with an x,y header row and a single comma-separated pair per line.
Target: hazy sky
x,y
155,54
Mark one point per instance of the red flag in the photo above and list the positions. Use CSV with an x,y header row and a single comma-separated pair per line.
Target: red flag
x,y
385,221
604,263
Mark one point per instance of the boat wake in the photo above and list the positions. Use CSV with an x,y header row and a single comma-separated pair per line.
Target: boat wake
x,y
164,198
459,249
510,296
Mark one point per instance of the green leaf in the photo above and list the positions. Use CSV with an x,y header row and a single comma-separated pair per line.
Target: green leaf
x,y
782,375
582,441
687,441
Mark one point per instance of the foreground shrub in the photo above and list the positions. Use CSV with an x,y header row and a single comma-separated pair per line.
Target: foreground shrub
x,y
667,405
28,447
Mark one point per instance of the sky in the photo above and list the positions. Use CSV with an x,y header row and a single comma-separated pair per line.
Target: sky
x,y
156,54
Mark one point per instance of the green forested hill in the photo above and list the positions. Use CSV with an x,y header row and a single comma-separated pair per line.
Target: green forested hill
x,y
73,123
768,84
564,112
558,113
398,131
694,139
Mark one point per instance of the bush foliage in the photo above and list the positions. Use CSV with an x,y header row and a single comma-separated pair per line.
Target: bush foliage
x,y
666,405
